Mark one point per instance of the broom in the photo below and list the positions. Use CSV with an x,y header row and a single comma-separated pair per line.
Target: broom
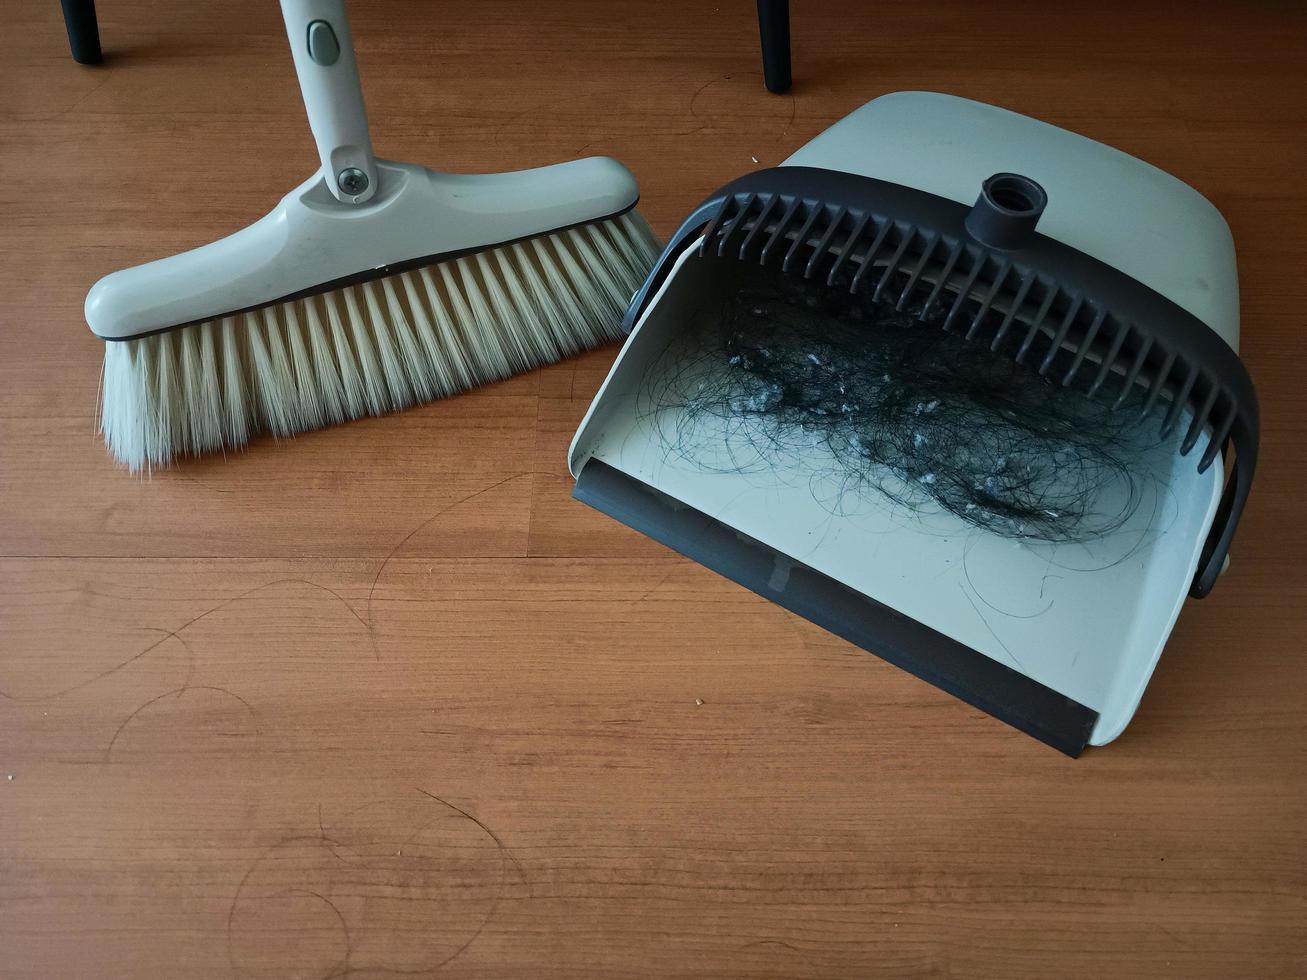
x,y
370,287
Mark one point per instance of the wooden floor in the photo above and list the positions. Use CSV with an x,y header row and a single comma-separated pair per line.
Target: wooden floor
x,y
384,701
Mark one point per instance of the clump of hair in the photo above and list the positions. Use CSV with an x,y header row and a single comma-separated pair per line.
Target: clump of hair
x,y
890,403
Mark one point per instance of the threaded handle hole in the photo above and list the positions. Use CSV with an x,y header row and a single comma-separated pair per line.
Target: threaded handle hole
x,y
1015,194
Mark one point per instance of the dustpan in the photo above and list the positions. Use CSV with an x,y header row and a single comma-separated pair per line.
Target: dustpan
x,y
1072,258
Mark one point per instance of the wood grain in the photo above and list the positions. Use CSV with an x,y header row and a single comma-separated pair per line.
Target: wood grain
x,y
382,700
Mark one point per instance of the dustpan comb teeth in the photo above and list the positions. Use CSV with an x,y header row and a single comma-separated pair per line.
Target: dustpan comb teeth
x,y
819,238
1065,314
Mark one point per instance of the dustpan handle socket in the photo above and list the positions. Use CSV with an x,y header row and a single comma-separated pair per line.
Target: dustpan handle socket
x,y
323,49
1006,212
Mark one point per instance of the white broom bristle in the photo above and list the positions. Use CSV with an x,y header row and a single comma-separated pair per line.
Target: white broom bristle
x,y
371,348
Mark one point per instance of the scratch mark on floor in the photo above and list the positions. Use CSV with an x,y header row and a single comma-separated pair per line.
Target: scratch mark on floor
x,y
770,942
81,100
657,585
186,477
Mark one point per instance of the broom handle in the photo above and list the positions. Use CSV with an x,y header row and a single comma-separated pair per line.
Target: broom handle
x,y
329,80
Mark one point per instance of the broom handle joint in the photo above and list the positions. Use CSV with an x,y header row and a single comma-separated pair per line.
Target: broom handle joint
x,y
323,49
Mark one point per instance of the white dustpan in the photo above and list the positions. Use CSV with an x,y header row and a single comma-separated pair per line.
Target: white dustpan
x,y
1128,281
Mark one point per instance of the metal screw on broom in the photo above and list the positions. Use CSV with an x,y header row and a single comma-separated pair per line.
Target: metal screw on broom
x,y
352,181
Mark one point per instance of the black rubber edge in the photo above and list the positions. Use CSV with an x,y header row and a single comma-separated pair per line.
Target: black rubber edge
x,y
370,275
1040,255
994,688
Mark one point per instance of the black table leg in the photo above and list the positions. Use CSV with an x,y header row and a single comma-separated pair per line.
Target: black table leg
x,y
774,25
84,32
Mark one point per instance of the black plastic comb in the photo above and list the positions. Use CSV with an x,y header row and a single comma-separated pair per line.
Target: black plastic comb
x,y
1002,284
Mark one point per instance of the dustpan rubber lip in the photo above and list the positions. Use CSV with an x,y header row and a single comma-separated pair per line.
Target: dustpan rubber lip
x,y
993,687
1130,299
371,275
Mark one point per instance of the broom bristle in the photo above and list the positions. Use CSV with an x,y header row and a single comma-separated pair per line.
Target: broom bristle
x,y
371,348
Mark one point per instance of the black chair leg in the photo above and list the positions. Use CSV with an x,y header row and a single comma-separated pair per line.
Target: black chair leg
x,y
774,26
84,32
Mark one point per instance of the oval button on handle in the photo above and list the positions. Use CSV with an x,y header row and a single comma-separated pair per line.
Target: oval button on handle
x,y
319,36
323,46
